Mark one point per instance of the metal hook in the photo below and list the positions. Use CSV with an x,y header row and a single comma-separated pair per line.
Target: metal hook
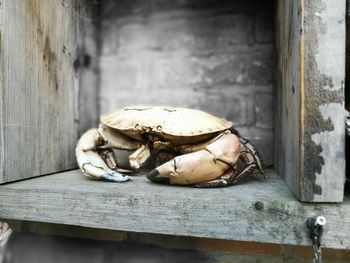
x,y
315,226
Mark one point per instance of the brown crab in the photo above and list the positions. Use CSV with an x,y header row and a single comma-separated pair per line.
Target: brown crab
x,y
208,148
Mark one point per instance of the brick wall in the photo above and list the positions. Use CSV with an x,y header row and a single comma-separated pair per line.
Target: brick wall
x,y
209,55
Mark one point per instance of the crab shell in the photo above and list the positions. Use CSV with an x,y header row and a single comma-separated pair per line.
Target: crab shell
x,y
176,125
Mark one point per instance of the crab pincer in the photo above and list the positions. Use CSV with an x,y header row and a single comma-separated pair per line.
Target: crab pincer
x,y
91,162
204,165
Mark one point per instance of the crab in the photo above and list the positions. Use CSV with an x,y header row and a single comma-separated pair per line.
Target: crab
x,y
209,152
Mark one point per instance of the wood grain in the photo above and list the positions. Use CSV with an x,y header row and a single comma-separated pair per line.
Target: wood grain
x,y
288,93
38,87
141,206
323,139
310,94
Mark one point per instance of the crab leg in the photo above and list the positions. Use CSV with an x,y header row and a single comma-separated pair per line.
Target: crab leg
x,y
139,157
108,157
112,161
200,166
91,163
250,156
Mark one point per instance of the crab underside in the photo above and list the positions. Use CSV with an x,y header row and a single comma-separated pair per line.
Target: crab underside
x,y
208,151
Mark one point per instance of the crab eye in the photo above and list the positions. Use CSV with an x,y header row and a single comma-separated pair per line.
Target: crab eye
x,y
159,128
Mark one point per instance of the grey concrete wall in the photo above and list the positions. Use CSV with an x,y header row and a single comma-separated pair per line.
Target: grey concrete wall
x,y
217,56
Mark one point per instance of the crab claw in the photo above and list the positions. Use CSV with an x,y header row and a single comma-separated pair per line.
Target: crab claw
x,y
91,163
201,166
115,177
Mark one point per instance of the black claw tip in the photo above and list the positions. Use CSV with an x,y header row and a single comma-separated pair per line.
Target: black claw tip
x,y
153,176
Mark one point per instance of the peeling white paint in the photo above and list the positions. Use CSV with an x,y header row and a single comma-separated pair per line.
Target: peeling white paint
x,y
331,42
332,143
330,62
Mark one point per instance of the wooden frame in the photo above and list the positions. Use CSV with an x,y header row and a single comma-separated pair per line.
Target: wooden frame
x,y
40,123
35,61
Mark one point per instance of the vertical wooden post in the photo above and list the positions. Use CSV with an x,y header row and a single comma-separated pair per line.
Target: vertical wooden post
x,y
38,92
311,131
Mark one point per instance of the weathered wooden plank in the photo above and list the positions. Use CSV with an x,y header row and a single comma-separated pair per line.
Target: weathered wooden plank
x,y
140,206
288,93
37,94
38,86
324,126
311,44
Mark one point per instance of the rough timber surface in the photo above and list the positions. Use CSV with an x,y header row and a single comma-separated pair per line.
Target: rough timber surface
x,y
322,108
141,206
310,113
47,84
37,96
288,93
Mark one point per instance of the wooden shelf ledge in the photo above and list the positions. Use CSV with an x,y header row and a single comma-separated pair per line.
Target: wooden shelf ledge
x,y
259,210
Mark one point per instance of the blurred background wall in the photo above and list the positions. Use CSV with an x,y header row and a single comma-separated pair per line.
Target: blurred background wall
x,y
50,243
216,56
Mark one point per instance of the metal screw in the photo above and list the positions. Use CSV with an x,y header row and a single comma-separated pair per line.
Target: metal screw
x,y
259,205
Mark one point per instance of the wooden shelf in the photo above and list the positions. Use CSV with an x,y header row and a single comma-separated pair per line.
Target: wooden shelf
x,y
141,206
